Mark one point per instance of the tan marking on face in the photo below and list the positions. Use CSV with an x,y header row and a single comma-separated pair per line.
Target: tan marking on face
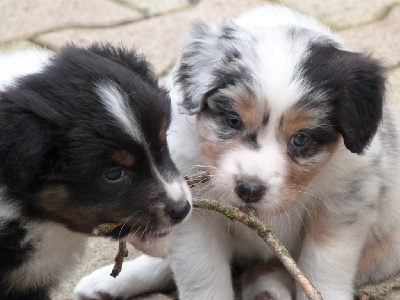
x,y
248,109
300,175
53,198
211,148
319,228
124,158
296,120
374,254
212,152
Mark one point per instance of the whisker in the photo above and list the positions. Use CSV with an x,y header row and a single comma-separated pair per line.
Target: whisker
x,y
134,233
126,221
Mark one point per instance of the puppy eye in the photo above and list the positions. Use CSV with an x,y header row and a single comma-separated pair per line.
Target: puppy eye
x,y
234,122
114,174
300,140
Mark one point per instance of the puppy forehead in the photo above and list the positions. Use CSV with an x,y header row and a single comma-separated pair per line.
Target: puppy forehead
x,y
278,65
144,120
116,103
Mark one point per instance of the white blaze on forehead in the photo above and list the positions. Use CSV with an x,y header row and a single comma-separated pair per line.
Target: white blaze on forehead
x,y
282,45
116,103
279,61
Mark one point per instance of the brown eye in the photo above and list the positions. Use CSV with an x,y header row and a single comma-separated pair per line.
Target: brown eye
x,y
234,122
114,174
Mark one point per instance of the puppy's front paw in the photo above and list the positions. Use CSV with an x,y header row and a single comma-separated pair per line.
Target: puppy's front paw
x,y
98,286
264,296
262,282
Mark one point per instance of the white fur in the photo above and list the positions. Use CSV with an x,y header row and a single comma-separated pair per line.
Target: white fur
x,y
204,246
132,282
278,283
21,63
56,242
116,103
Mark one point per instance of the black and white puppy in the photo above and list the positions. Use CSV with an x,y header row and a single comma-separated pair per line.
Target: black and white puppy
x,y
280,110
82,142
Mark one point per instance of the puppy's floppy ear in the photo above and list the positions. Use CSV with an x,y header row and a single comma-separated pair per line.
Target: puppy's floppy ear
x,y
358,110
199,57
25,142
354,84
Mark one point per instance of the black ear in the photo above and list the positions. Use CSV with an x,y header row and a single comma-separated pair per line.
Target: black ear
x,y
25,142
354,86
358,110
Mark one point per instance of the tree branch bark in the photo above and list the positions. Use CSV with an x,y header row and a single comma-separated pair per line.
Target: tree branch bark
x,y
233,213
265,232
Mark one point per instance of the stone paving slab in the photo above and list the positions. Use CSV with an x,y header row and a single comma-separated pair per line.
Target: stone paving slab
x,y
156,27
26,18
156,7
159,37
394,86
343,13
381,38
17,46
99,252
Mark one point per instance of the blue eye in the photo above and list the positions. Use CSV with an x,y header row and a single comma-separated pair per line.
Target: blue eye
x,y
300,139
114,174
234,122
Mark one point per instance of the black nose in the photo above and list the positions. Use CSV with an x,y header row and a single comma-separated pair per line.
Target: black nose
x,y
178,211
250,190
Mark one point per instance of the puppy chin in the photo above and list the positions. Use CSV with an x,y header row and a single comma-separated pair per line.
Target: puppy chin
x,y
157,247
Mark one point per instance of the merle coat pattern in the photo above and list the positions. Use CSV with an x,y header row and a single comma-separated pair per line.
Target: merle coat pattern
x,y
292,124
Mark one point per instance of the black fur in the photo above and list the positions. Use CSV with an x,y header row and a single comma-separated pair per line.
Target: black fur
x,y
58,140
251,141
355,86
12,252
218,62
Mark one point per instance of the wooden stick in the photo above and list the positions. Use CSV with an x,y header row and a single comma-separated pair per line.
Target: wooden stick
x,y
104,229
233,213
119,259
194,179
269,237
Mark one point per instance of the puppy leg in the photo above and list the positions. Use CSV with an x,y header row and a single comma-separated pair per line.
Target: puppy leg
x,y
262,282
201,258
331,265
144,274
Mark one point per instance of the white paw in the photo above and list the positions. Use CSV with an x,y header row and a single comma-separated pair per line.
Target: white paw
x,y
265,283
99,285
144,274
